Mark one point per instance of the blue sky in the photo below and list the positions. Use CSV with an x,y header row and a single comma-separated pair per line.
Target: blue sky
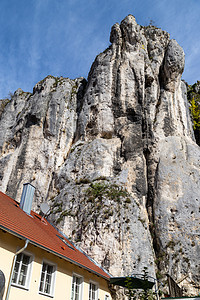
x,y
63,37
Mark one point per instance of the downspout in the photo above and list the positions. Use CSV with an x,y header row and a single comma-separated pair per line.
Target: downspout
x,y
12,268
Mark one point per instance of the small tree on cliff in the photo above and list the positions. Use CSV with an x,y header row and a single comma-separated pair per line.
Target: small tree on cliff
x,y
144,294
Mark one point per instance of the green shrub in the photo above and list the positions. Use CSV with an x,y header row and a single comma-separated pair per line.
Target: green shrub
x,y
100,190
193,95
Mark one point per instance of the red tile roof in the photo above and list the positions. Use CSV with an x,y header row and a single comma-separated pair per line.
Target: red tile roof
x,y
41,233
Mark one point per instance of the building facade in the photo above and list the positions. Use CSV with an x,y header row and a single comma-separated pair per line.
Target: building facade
x,y
38,262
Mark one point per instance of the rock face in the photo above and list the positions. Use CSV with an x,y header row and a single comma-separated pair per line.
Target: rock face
x,y
114,156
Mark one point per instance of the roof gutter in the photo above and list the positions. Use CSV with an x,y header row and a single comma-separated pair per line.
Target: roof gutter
x,y
12,268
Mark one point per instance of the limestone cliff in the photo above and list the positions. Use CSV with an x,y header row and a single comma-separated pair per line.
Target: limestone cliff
x,y
115,156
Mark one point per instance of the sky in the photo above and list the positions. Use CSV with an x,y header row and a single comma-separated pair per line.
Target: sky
x,y
63,37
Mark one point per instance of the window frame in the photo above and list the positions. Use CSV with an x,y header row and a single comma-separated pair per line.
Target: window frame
x,y
80,297
96,291
53,279
28,273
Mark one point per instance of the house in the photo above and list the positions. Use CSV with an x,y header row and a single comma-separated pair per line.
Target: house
x,y
39,262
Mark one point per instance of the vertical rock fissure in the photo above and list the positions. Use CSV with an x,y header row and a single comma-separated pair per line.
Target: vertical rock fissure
x,y
148,143
80,101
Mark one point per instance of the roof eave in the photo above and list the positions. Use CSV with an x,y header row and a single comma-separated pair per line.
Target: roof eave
x,y
52,251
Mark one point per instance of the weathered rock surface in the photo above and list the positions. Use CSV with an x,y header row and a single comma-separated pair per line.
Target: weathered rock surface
x,y
115,156
36,134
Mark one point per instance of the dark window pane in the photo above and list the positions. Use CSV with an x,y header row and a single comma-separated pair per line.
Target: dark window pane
x,y
24,269
41,286
22,279
19,257
25,259
47,288
42,276
48,278
44,267
16,268
50,269
14,279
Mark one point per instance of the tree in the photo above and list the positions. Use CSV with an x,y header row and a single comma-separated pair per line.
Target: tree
x,y
195,111
142,294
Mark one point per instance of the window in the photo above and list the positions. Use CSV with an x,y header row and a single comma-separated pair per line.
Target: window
x,y
93,291
76,287
47,279
21,273
107,297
